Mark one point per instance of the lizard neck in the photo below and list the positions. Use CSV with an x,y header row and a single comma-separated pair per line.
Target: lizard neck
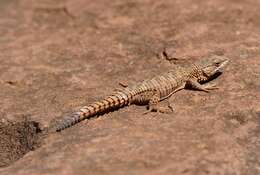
x,y
195,72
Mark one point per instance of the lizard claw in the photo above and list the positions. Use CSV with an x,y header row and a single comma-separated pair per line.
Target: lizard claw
x,y
212,86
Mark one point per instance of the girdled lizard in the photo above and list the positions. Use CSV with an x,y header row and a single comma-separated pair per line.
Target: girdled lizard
x,y
152,91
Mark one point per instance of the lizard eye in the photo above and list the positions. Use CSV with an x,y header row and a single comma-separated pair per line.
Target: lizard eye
x,y
217,64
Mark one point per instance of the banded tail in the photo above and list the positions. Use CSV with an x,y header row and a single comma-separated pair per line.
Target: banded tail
x,y
117,100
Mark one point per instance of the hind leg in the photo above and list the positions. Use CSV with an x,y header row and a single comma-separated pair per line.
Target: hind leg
x,y
155,107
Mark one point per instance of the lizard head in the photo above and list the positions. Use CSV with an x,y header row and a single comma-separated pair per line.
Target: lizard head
x,y
213,66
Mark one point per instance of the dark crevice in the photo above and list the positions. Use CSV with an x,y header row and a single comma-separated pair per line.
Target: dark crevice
x,y
17,139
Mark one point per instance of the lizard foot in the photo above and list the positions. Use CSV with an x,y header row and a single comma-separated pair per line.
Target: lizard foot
x,y
211,86
197,86
162,109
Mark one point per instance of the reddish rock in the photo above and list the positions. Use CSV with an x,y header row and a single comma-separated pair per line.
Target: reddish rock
x,y
59,55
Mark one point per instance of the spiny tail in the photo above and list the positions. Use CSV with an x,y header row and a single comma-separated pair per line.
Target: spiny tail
x,y
117,100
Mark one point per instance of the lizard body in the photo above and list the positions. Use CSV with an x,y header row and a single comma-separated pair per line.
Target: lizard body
x,y
152,91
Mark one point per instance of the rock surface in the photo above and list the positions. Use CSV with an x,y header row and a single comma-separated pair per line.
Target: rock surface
x,y
59,55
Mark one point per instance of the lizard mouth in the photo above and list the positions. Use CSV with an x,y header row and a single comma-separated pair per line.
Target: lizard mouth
x,y
220,68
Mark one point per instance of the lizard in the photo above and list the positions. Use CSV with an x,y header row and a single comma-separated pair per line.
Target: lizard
x,y
152,91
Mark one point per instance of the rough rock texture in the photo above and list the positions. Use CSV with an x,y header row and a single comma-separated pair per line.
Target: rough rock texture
x,y
59,55
17,139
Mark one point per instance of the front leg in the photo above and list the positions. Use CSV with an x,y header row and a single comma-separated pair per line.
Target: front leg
x,y
194,84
